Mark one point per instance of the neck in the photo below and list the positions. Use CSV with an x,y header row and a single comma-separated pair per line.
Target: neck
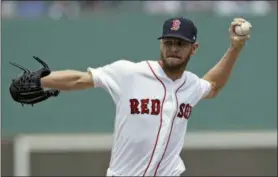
x,y
173,75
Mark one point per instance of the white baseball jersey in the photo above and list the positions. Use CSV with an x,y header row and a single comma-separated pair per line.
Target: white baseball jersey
x,y
152,112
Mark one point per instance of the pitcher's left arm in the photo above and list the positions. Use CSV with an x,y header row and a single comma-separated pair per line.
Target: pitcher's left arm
x,y
220,73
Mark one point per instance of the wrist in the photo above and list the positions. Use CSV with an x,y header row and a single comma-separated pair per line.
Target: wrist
x,y
236,48
234,51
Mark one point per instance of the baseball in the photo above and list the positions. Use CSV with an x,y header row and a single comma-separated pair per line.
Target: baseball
x,y
243,29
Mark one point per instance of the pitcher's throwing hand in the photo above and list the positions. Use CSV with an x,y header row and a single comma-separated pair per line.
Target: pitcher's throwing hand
x,y
240,30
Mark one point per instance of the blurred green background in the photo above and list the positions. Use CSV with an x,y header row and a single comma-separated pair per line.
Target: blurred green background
x,y
248,102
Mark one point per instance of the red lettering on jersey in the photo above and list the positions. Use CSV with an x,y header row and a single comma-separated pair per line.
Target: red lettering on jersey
x,y
137,107
144,106
155,107
185,111
134,103
180,114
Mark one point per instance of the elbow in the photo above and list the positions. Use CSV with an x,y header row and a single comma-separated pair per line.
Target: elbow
x,y
79,84
216,89
214,92
83,82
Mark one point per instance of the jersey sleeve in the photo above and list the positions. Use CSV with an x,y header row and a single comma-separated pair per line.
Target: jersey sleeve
x,y
203,88
112,77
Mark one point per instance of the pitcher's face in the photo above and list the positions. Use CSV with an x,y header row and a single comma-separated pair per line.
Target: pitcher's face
x,y
175,53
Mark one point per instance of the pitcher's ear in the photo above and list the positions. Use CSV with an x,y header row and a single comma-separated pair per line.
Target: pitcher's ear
x,y
195,48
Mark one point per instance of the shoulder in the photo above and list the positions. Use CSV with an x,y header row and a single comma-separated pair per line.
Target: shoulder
x,y
204,85
126,67
194,80
129,65
118,66
123,63
191,77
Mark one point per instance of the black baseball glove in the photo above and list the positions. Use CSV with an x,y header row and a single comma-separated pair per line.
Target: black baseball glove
x,y
26,88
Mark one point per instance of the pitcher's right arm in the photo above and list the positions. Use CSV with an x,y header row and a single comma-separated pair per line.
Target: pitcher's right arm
x,y
67,80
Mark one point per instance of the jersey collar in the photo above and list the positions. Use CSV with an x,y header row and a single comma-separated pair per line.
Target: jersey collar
x,y
162,75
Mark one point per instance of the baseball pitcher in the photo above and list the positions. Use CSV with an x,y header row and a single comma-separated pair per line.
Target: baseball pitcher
x,y
154,99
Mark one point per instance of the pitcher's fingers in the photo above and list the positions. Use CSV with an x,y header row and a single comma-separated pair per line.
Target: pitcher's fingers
x,y
239,19
235,23
249,24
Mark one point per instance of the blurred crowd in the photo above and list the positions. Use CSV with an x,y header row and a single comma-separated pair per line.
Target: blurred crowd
x,y
222,8
74,9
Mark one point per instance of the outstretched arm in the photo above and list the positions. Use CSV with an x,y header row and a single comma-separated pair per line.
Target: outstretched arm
x,y
68,80
220,73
